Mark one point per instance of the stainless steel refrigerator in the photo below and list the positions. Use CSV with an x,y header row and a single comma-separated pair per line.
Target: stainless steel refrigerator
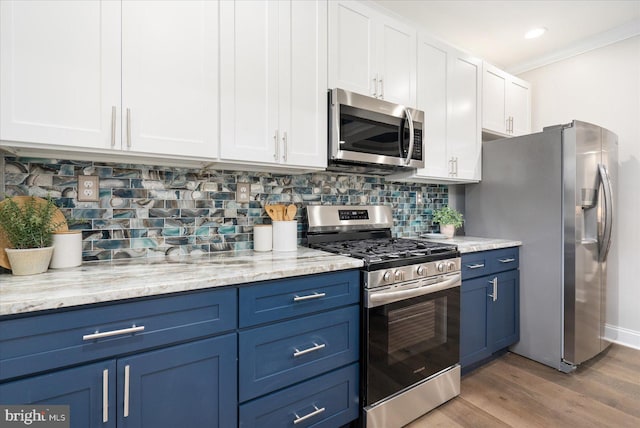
x,y
554,191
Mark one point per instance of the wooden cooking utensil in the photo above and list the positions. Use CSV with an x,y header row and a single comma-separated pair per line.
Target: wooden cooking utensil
x,y
291,212
272,212
281,213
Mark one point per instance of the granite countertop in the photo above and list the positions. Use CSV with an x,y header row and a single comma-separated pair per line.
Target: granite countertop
x,y
96,282
472,244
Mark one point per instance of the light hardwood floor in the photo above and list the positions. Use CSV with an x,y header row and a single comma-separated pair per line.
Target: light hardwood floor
x,y
514,391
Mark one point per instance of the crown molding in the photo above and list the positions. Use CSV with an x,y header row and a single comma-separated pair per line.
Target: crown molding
x,y
618,34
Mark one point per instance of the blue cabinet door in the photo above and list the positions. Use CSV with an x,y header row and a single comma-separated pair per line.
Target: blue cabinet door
x,y
474,319
504,317
189,385
82,389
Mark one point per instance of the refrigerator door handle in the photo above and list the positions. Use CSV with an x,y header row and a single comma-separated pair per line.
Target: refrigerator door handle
x,y
605,244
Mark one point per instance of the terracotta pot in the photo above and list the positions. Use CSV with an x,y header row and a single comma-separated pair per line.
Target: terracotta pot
x,y
29,261
448,230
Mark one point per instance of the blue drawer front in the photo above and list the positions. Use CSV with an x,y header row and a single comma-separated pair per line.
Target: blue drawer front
x,y
42,342
475,264
281,299
267,360
505,259
489,262
335,392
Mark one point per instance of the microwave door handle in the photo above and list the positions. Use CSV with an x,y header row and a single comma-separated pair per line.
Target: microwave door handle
x,y
411,139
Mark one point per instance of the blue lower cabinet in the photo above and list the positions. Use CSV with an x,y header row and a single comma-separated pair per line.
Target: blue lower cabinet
x,y
329,400
489,307
189,385
81,388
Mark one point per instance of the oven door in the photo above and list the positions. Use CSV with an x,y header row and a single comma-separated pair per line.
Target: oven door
x,y
412,331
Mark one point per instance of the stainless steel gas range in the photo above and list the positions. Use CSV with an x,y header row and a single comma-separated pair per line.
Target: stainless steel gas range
x,y
410,312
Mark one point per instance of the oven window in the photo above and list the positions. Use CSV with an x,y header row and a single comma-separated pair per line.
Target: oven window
x,y
416,329
410,340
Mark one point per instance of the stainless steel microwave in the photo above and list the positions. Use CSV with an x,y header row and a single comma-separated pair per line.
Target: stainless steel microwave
x,y
371,135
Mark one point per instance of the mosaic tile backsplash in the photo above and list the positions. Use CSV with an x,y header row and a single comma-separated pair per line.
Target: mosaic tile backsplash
x,y
147,211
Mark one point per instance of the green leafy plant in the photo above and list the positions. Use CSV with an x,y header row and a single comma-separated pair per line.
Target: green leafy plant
x,y
448,215
28,225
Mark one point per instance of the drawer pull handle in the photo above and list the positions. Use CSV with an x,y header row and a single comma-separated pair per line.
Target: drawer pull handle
x,y
308,297
315,347
125,412
299,419
509,260
476,266
105,395
96,335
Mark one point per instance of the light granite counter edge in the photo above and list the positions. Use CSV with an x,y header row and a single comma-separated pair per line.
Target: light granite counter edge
x,y
101,282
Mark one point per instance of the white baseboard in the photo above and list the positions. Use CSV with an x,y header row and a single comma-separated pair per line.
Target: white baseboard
x,y
623,336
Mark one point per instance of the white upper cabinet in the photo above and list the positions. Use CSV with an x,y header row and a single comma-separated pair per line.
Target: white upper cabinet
x,y
60,72
449,83
139,76
273,83
169,77
506,103
371,53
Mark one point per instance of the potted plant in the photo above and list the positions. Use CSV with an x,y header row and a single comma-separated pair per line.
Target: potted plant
x,y
26,227
449,219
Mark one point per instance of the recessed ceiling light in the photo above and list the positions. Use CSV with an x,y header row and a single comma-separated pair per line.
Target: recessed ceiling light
x,y
536,32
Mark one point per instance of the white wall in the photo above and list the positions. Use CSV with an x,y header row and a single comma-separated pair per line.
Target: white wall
x,y
603,87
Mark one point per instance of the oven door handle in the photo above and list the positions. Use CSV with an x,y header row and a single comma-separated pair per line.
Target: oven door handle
x,y
411,136
383,298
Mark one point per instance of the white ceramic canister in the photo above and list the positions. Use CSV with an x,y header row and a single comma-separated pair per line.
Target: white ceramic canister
x,y
262,237
67,249
285,235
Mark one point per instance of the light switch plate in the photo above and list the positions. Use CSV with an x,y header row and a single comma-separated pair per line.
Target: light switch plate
x,y
243,192
88,188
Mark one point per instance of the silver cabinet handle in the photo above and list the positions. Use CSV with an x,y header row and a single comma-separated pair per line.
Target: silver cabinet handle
x,y
511,126
509,260
308,297
411,136
315,347
128,128
276,153
476,266
455,164
375,86
382,88
284,142
494,282
126,391
96,335
507,124
105,395
113,126
299,419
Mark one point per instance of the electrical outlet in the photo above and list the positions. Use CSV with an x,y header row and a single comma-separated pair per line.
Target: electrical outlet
x,y
243,192
88,188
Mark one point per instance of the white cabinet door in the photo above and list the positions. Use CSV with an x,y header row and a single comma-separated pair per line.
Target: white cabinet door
x,y
371,53
464,137
506,109
303,84
249,81
449,94
273,83
396,62
433,63
60,72
352,47
519,106
169,77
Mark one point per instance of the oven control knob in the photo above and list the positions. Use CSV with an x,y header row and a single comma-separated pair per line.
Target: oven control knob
x,y
387,276
440,267
398,275
421,271
451,266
